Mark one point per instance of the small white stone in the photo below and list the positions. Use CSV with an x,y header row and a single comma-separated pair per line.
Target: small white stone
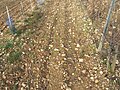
x,y
78,45
32,61
114,27
96,81
41,49
73,73
76,49
81,60
107,88
29,49
50,45
65,59
101,72
83,71
79,78
23,52
117,62
62,87
23,85
63,55
37,86
62,45
90,23
92,78
38,50
56,49
87,55
7,54
1,33
95,68
4,76
69,30
68,88
27,38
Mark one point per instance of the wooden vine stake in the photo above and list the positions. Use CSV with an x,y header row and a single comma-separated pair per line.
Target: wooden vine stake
x,y
114,59
22,11
31,5
106,26
10,22
22,8
8,16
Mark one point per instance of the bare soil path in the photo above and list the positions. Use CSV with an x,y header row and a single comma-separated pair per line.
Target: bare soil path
x,y
59,53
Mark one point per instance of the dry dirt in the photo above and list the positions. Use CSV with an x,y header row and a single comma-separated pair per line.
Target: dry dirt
x,y
59,54
9,3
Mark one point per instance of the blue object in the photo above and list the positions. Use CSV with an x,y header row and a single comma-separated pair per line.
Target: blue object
x,y
40,2
11,25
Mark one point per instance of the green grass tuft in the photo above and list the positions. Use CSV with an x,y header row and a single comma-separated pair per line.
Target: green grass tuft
x,y
14,56
9,44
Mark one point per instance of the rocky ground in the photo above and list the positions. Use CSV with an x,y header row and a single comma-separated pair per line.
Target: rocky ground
x,y
9,3
55,49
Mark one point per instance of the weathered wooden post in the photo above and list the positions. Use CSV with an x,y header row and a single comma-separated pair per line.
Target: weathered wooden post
x,y
31,5
10,22
22,8
106,26
114,59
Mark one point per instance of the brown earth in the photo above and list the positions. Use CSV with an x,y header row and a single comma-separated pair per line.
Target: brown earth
x,y
58,53
9,3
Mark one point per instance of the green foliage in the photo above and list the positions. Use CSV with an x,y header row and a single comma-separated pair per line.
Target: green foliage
x,y
18,21
33,18
9,44
15,87
37,15
14,56
28,21
1,46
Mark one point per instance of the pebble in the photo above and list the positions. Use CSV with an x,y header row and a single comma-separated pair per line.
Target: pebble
x,y
21,88
29,49
62,45
68,88
76,49
1,34
90,23
81,60
4,76
117,62
86,55
73,74
114,27
23,85
23,53
63,55
42,50
79,78
107,88
78,45
96,81
7,54
95,68
56,49
92,78
101,72
83,71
